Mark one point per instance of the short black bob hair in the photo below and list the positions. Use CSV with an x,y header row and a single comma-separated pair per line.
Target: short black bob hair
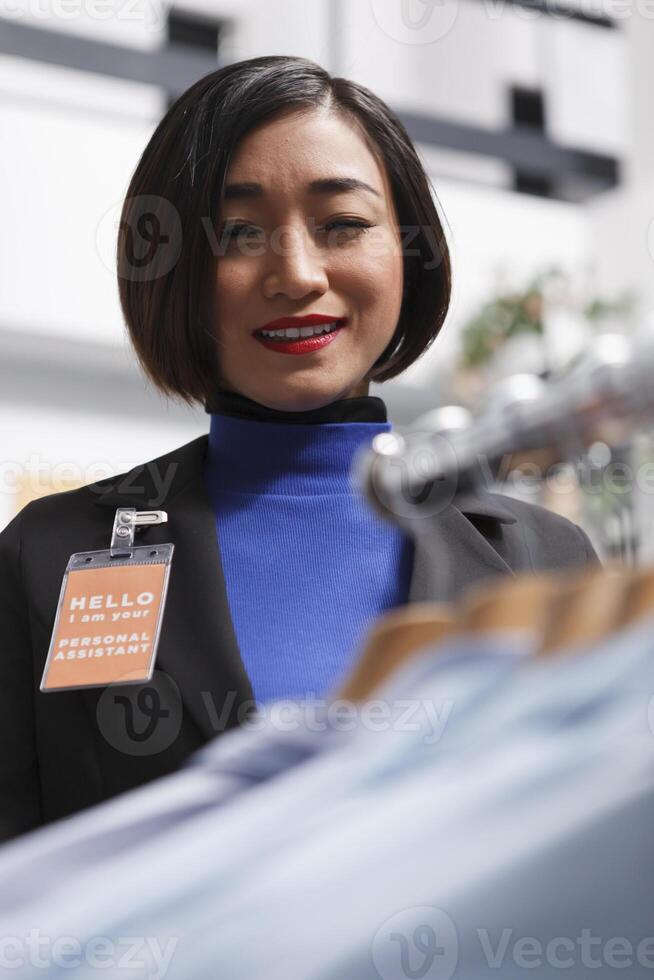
x,y
165,251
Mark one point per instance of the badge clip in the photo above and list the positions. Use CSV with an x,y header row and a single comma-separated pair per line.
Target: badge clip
x,y
126,520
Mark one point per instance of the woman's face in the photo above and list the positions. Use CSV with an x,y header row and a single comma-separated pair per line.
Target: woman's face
x,y
299,256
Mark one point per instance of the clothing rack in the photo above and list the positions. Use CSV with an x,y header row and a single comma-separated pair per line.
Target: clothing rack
x,y
605,395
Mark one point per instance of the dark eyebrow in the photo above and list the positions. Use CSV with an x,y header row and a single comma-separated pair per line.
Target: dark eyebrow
x,y
326,185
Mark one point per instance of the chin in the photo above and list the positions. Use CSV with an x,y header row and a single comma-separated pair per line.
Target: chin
x,y
306,398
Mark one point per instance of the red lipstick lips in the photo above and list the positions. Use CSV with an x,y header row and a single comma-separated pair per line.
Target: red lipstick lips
x,y
310,320
300,345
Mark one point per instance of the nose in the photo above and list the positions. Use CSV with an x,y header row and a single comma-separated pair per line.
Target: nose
x,y
295,265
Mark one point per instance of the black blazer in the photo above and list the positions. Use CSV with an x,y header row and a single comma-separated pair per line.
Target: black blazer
x,y
66,750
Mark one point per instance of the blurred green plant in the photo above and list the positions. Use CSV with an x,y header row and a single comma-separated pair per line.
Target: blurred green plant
x,y
626,304
521,312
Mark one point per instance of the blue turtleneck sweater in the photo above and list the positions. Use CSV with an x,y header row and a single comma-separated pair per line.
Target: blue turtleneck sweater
x,y
308,564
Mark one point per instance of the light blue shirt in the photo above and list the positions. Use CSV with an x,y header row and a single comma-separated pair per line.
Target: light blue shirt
x,y
486,766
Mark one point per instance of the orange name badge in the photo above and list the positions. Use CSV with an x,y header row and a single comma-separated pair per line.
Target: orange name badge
x,y
108,618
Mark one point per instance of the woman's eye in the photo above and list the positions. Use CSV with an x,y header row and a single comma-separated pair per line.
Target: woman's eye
x,y
355,226
233,231
352,226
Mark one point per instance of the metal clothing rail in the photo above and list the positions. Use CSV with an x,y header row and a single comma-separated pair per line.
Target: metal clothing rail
x,y
606,396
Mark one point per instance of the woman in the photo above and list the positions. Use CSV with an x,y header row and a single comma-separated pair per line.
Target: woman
x,y
270,198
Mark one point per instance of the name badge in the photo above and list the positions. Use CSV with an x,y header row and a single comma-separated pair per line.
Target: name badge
x,y
110,610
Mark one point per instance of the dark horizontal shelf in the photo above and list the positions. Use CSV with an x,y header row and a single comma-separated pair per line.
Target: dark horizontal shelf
x,y
572,173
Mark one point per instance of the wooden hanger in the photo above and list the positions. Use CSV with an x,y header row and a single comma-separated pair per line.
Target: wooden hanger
x,y
588,609
519,604
399,635
395,638
564,611
638,597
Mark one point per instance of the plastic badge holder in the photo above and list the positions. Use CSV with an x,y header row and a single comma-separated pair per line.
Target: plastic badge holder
x,y
110,610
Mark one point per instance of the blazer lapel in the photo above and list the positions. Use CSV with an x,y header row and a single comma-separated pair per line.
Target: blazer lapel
x,y
197,644
450,553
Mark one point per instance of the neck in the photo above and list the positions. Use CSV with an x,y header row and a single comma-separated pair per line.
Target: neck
x,y
257,456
